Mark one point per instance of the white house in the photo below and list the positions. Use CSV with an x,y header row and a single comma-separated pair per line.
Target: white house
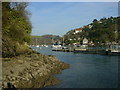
x,y
90,26
99,22
85,41
70,39
77,30
78,38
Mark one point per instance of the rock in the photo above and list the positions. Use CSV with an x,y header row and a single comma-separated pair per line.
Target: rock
x,y
33,70
20,61
11,72
34,64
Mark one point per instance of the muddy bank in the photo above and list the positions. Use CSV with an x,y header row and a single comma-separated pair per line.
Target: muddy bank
x,y
31,70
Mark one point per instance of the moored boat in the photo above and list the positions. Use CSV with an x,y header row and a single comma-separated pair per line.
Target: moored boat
x,y
113,50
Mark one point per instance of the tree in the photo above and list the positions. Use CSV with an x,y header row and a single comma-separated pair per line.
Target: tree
x,y
95,20
16,27
16,22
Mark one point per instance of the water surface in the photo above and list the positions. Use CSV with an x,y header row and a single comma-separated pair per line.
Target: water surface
x,y
86,70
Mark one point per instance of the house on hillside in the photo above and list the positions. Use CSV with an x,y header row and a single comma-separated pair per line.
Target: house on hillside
x,y
78,30
70,39
85,41
91,43
99,22
75,44
90,26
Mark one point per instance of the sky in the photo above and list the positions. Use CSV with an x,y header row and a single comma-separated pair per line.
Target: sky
x,y
57,18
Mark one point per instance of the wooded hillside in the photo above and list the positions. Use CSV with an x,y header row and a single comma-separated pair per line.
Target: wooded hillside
x,y
16,28
99,31
45,39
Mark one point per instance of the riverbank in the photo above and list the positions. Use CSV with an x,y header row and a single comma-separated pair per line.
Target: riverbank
x,y
31,70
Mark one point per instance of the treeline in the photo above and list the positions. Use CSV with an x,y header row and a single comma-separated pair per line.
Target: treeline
x,y
45,39
105,30
16,28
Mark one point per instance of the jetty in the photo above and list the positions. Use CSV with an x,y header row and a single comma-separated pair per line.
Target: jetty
x,y
111,50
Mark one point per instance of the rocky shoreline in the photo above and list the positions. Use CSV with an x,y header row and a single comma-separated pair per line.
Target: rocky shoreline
x,y
31,70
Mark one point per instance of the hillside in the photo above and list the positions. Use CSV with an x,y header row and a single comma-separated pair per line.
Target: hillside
x,y
45,39
105,30
16,28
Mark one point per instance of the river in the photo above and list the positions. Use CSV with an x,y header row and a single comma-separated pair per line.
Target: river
x,y
86,70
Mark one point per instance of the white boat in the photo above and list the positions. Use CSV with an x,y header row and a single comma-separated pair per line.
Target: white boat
x,y
37,45
81,47
45,45
115,48
56,47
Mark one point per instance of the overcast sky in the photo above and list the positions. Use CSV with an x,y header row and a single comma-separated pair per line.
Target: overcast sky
x,y
59,17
